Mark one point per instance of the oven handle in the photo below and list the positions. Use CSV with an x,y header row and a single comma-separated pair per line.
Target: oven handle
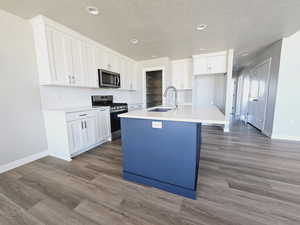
x,y
118,111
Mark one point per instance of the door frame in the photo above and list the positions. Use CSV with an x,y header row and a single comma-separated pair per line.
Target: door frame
x,y
268,61
150,69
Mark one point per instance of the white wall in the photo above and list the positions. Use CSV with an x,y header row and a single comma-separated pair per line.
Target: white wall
x,y
220,92
287,111
22,126
204,90
210,90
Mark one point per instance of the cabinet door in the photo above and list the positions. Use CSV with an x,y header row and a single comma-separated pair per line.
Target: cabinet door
x,y
114,62
102,59
200,65
216,64
133,76
103,125
124,74
90,67
68,59
76,138
106,127
79,78
58,55
90,131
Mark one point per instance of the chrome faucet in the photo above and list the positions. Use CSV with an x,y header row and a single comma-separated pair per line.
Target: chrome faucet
x,y
175,91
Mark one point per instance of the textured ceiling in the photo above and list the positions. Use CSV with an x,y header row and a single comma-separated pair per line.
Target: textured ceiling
x,y
167,27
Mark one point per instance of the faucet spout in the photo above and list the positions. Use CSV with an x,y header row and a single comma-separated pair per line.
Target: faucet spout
x,y
175,91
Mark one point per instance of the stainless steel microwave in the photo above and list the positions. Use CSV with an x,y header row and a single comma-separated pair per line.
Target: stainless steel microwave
x,y
108,79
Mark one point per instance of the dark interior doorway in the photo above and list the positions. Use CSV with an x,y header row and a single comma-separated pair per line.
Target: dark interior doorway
x,y
154,88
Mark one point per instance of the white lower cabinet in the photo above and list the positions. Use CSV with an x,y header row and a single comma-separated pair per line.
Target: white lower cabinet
x,y
72,133
103,128
82,134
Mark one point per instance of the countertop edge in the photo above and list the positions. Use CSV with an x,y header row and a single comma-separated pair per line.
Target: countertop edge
x,y
222,122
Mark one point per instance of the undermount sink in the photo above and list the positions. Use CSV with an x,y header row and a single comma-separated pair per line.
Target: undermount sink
x,y
160,109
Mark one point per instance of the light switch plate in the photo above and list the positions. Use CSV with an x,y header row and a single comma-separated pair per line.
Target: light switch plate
x,y
157,124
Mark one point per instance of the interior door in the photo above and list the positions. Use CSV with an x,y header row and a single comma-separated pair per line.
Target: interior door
x,y
253,98
258,95
263,79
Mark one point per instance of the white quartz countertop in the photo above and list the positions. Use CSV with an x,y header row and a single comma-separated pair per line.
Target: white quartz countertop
x,y
76,109
206,115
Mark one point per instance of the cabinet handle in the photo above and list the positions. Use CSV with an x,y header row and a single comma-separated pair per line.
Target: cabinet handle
x,y
70,80
85,124
83,114
74,81
81,125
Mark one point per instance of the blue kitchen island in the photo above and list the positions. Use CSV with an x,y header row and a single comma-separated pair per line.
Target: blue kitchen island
x,y
162,149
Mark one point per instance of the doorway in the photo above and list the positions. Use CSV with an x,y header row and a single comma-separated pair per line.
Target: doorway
x,y
258,95
154,88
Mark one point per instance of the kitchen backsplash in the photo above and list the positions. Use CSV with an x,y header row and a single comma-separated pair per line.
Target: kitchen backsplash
x,y
62,97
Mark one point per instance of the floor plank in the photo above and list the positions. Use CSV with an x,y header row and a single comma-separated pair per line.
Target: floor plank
x,y
244,179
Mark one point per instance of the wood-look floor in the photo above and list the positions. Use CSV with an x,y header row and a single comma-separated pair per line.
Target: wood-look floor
x,y
244,178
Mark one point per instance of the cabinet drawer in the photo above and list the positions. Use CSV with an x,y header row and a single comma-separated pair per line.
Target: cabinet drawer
x,y
80,115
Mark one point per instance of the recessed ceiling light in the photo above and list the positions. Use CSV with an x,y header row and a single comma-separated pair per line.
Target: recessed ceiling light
x,y
92,10
202,49
134,41
201,27
154,56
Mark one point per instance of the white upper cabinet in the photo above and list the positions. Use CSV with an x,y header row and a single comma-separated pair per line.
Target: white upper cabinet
x,y
79,75
182,74
124,73
58,62
133,76
214,63
128,74
66,58
90,66
114,62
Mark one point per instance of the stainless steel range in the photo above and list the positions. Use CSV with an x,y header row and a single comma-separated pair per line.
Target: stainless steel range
x,y
115,110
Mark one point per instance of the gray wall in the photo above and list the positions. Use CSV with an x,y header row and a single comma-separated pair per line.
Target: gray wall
x,y
22,126
287,111
273,51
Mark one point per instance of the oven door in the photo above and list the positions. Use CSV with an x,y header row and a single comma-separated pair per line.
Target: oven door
x,y
116,121
109,79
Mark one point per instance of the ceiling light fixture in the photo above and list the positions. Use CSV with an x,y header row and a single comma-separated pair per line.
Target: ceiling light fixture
x,y
134,41
202,49
201,27
153,56
92,10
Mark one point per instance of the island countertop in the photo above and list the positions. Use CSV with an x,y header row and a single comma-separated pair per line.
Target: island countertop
x,y
205,115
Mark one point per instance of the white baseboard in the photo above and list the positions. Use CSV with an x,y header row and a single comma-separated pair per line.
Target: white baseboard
x,y
23,161
287,138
